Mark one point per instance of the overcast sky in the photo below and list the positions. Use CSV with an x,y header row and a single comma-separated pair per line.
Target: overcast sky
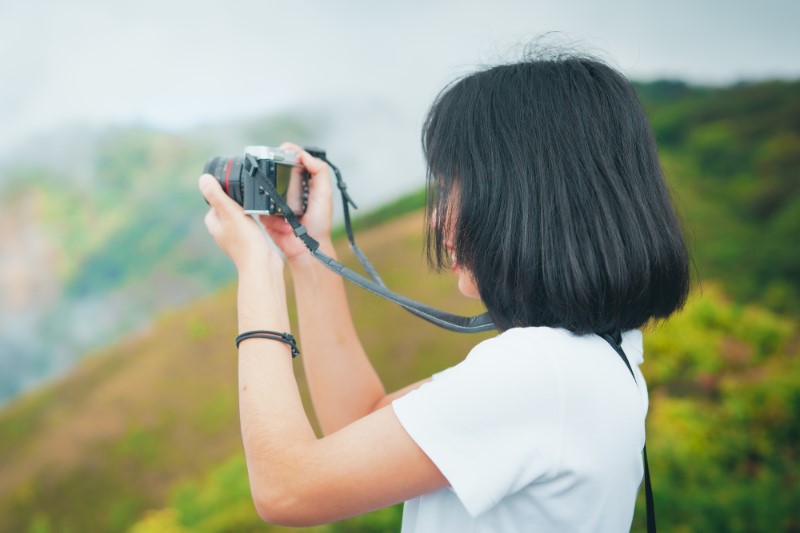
x,y
174,64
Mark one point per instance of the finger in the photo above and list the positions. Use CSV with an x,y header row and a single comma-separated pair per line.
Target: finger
x,y
312,164
216,197
320,188
277,225
212,222
315,167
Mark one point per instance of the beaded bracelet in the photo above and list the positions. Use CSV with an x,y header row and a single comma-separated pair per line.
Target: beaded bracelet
x,y
285,338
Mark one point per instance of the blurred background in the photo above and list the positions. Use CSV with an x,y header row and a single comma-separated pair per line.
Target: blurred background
x,y
118,406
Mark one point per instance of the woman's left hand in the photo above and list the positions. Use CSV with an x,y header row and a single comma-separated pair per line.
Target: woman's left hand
x,y
237,234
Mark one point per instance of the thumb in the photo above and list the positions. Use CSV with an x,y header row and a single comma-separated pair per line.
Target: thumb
x,y
214,195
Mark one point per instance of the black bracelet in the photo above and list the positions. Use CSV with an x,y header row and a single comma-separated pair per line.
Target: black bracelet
x,y
285,338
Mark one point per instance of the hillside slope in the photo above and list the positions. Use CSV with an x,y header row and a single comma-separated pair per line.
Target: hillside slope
x,y
92,451
145,434
722,434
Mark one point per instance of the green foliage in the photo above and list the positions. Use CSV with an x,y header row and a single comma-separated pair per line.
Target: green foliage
x,y
724,422
221,503
733,158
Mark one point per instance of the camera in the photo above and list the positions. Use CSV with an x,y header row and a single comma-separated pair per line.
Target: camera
x,y
245,183
281,167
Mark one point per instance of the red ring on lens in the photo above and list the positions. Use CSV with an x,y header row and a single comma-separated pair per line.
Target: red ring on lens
x,y
228,174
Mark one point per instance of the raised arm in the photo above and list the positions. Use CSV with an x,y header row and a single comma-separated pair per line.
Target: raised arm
x,y
343,383
295,478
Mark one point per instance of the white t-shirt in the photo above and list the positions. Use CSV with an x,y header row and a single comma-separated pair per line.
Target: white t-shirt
x,y
536,430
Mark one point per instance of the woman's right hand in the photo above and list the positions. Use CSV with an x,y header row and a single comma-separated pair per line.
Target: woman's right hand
x,y
318,217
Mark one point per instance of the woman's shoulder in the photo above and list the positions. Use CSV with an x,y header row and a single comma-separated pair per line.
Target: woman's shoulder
x,y
540,345
515,354
527,341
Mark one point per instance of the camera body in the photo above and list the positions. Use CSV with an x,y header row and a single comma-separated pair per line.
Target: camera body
x,y
281,167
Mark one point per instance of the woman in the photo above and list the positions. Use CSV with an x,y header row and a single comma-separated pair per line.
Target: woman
x,y
548,202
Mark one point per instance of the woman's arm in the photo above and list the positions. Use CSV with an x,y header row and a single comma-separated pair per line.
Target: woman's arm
x,y
295,478
343,383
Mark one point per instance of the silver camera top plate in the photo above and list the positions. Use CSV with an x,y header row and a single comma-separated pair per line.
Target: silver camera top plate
x,y
286,157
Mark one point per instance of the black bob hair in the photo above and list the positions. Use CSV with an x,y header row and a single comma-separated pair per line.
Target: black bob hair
x,y
543,177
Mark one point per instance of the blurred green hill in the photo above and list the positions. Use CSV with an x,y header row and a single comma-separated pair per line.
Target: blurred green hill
x,y
143,435
732,155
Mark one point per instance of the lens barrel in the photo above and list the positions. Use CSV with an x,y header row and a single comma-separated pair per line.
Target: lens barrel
x,y
228,172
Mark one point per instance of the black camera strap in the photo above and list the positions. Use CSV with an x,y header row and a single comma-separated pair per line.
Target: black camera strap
x,y
460,324
615,340
347,201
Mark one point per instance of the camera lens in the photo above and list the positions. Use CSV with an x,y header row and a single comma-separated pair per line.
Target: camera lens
x,y
228,172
